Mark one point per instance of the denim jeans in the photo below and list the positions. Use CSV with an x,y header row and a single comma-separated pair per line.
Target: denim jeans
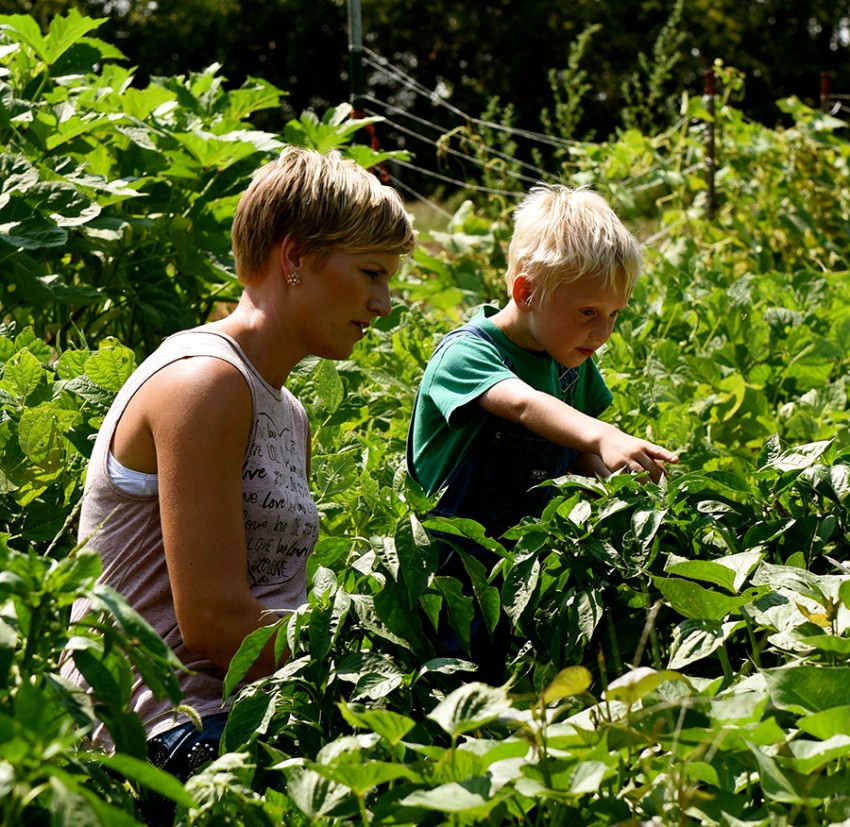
x,y
184,749
181,751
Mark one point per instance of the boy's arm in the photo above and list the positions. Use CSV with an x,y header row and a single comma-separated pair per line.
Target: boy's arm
x,y
562,424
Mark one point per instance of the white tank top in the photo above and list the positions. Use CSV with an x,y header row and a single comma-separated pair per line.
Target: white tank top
x,y
280,518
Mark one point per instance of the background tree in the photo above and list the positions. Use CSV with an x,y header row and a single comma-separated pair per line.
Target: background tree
x,y
470,54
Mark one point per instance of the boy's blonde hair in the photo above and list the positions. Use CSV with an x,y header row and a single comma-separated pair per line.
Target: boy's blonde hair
x,y
562,234
328,203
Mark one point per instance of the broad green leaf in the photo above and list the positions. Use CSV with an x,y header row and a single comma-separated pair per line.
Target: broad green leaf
x,y
697,603
574,680
111,367
246,655
470,707
417,556
694,640
799,457
645,524
65,31
41,431
453,798
329,389
458,606
807,688
730,571
640,682
388,724
318,797
363,777
145,774
808,757
33,234
774,783
826,724
22,375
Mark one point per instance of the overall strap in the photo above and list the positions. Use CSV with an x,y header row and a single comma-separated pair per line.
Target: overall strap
x,y
568,377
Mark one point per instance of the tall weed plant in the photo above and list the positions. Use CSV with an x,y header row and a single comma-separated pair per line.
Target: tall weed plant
x,y
680,651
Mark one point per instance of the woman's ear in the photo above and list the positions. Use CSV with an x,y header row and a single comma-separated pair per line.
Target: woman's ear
x,y
521,292
290,254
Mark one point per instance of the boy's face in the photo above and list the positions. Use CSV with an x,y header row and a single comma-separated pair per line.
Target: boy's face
x,y
578,318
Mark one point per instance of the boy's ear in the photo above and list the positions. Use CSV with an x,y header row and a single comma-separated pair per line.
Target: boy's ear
x,y
522,291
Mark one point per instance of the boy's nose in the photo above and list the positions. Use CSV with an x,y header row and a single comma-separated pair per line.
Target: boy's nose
x,y
603,329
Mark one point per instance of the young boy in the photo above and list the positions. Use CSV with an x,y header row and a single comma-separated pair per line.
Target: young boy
x,y
511,398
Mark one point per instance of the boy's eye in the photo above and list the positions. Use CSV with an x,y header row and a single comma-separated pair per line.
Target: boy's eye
x,y
588,312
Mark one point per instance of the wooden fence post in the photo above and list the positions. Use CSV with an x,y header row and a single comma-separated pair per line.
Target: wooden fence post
x,y
824,91
710,158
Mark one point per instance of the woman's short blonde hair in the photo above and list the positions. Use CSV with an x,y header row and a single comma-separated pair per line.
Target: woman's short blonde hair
x,y
327,202
562,234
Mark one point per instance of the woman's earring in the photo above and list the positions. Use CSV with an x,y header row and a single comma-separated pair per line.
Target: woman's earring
x,y
293,278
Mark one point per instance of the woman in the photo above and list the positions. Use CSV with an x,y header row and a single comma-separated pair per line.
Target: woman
x,y
197,496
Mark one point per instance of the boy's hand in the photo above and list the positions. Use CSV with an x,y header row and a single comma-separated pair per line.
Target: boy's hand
x,y
621,451
514,400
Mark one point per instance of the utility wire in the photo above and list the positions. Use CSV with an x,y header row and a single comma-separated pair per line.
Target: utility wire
x,y
418,196
542,174
452,151
461,184
381,63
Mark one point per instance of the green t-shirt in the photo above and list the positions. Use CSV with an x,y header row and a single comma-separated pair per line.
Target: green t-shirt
x,y
445,424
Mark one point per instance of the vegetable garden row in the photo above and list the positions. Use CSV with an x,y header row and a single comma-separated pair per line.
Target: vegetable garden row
x,y
682,650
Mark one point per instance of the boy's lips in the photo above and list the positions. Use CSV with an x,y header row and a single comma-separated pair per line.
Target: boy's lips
x,y
586,351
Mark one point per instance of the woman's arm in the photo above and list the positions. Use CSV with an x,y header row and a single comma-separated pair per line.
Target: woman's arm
x,y
198,413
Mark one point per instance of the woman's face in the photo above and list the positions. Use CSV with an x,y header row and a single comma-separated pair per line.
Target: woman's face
x,y
344,293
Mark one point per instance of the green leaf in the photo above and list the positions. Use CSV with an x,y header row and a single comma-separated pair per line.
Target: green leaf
x,y
574,680
805,689
774,784
374,675
640,682
454,798
808,757
110,367
470,707
826,724
23,374
245,656
697,603
363,777
417,557
730,572
318,797
329,388
145,774
694,640
390,725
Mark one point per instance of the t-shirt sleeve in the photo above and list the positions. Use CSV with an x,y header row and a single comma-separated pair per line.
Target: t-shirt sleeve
x,y
592,395
460,372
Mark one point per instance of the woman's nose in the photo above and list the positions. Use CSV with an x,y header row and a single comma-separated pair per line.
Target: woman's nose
x,y
380,303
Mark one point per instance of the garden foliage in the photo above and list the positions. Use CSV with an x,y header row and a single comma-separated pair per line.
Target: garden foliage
x,y
681,651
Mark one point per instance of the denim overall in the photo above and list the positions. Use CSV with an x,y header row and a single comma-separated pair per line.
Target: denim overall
x,y
493,484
